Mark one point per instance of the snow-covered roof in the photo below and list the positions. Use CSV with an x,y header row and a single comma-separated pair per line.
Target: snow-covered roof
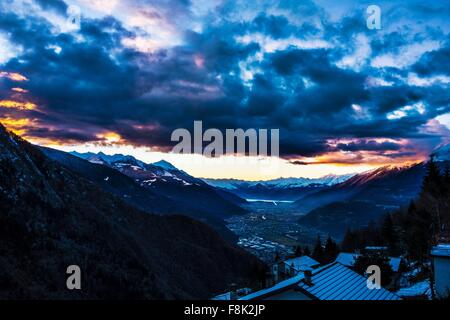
x,y
279,287
395,263
376,248
419,289
337,282
301,263
441,250
348,259
223,296
331,282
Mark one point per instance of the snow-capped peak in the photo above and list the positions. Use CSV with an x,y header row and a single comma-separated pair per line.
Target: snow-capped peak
x,y
101,158
165,165
327,180
442,153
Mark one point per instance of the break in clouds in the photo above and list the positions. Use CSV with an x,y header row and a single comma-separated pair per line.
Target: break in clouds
x,y
137,70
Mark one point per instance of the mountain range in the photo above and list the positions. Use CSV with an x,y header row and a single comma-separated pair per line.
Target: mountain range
x,y
361,199
334,204
143,230
52,217
277,189
366,197
158,188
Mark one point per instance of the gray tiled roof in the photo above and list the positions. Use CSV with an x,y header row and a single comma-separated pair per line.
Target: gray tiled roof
x,y
331,282
301,263
441,250
337,282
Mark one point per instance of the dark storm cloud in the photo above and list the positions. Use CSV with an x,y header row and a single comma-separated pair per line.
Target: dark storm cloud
x,y
368,145
83,80
399,154
56,5
332,89
275,26
263,98
434,62
386,99
392,40
100,84
60,134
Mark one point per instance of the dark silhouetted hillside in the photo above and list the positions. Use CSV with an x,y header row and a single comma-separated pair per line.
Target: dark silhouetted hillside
x,y
364,197
130,179
50,218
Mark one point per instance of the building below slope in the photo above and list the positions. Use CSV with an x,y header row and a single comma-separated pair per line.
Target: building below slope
x,y
330,282
291,267
233,294
440,255
418,291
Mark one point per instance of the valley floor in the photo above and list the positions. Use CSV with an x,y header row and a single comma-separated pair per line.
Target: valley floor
x,y
270,229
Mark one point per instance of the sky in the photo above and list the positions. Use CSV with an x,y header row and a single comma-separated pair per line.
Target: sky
x,y
119,76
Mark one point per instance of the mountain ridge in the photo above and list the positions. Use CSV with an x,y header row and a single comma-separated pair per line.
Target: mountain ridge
x,y
170,191
286,189
51,218
328,179
362,198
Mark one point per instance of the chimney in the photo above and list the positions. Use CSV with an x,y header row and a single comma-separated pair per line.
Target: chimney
x,y
308,277
233,291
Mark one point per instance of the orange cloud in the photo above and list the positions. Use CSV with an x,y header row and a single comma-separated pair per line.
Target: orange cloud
x,y
109,137
17,105
46,142
21,126
13,76
16,125
20,90
344,158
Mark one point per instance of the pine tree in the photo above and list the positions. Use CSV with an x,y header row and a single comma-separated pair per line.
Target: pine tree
x,y
349,244
373,236
277,257
418,232
445,219
389,235
331,250
432,184
306,251
432,201
374,258
318,250
446,174
298,251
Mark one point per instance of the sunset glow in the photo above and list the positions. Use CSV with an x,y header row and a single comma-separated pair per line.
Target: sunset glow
x,y
345,98
17,105
13,76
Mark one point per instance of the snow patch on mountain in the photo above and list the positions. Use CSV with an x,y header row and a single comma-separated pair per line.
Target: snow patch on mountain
x,y
116,159
442,153
165,165
327,180
145,174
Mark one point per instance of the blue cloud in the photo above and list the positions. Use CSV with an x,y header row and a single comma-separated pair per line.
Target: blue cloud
x,y
97,82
